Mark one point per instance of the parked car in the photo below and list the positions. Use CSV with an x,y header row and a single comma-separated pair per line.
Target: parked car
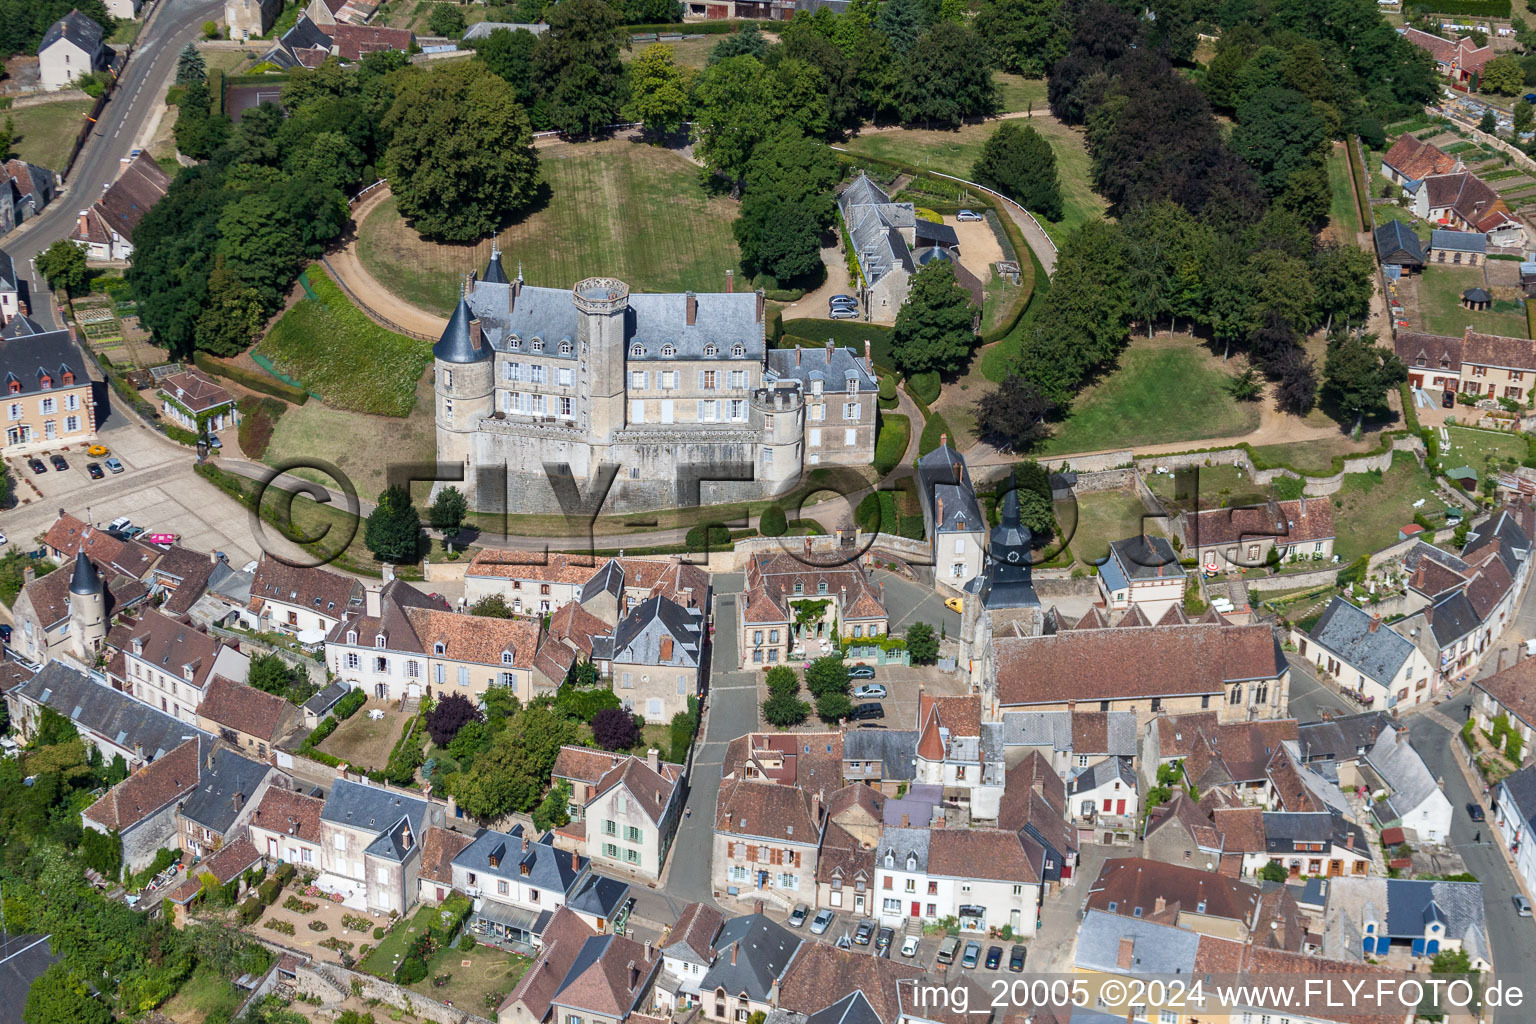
x,y
5,633
909,946
36,466
869,691
1448,400
1475,812
1016,958
861,672
95,470
3,541
58,462
821,922
96,451
864,932
972,955
798,915
994,957
843,300
863,711
843,313
113,465
1522,906
166,539
947,950
967,215
883,938
120,523
955,604
214,442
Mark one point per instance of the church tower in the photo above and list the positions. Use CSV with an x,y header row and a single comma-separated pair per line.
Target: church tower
x,y
1008,571
87,609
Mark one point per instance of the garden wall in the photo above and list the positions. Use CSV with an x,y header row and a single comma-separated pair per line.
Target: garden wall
x,y
914,551
1294,580
1312,486
1105,480
1092,463
249,645
324,981
1050,589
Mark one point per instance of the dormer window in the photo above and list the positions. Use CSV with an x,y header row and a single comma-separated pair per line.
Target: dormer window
x,y
890,859
438,648
799,588
69,378
853,383
711,350
514,342
45,382
738,351
668,351
351,636
636,351
565,348
378,641
15,387
821,588
911,862
538,344
506,657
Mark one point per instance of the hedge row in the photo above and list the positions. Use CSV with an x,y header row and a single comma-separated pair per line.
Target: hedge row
x,y
703,28
348,705
253,379
1473,8
258,421
891,445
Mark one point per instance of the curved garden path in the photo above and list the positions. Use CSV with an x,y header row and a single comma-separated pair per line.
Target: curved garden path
x,y
367,290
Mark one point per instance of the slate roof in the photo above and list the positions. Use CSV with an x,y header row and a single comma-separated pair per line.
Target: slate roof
x,y
22,959
1457,241
852,1008
1399,907
8,279
1452,618
1141,558
1342,738
895,748
78,29
1283,830
224,788
945,482
21,326
1514,540
562,942
1155,948
1400,766
835,367
370,808
1396,243
821,974
26,361
1521,788
149,789
1359,640
548,868
107,712
322,702
874,221
635,643
751,953
1102,773
598,895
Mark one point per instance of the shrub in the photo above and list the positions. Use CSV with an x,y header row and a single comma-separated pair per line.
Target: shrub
x,y
250,910
378,933
411,970
450,715
262,382
299,906
466,944
339,944
348,705
269,891
258,419
615,729
933,432
773,522
925,386
319,926
279,925
284,874
179,435
715,537
355,922
891,446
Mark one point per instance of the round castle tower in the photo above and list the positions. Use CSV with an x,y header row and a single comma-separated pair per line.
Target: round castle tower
x,y
464,383
780,408
87,609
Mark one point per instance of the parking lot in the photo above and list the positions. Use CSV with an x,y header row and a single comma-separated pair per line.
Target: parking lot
x,y
157,489
927,953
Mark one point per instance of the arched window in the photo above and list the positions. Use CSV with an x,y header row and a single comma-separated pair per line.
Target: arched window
x,y
853,383
711,350
636,351
738,351
378,641
565,348
668,351
538,344
514,342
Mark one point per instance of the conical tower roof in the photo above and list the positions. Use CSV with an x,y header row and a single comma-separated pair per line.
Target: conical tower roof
x,y
494,272
85,580
455,345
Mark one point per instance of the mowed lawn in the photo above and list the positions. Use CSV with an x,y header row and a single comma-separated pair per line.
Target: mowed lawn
x,y
617,208
955,152
1343,216
332,347
1370,509
1103,517
1019,93
45,133
690,53
1441,310
1479,448
1156,395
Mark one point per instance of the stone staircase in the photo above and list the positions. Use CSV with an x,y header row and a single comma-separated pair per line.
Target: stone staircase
x,y
410,705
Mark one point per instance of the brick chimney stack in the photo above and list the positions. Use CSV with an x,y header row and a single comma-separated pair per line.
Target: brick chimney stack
x,y
1375,623
1127,953
730,282
691,305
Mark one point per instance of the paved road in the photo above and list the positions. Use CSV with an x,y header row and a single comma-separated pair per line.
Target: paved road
x,y
171,25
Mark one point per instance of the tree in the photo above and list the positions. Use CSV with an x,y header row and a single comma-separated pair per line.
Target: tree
x,y
1013,413
1278,132
1274,871
1024,36
833,705
510,54
270,674
512,772
902,21
785,710
942,82
934,326
1343,279
57,997
448,510
827,674
922,645
102,852
1018,162
773,523
1503,75
738,103
793,167
449,715
1246,385
578,63
232,315
1358,375
63,264
117,771
7,138
446,19
1522,117
460,159
190,65
1037,510
555,808
615,729
198,131
393,531
777,237
1488,122
492,606
1297,391
748,42
782,679
1451,961
659,91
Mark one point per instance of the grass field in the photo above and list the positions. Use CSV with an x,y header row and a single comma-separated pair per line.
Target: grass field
x,y
361,740
45,133
690,53
955,152
1314,458
1391,211
204,995
1441,311
1019,93
1156,395
1479,448
1104,517
812,331
616,208
1216,486
338,353
1343,217
1370,509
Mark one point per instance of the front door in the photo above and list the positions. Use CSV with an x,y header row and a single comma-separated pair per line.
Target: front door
x,y
917,910
1335,868
272,848
1119,806
414,690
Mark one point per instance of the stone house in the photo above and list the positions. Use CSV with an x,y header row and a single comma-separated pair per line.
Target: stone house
x,y
686,953
228,864
630,807
1104,793
371,845
1372,662
292,600
766,842
10,284
1179,832
73,46
286,828
229,789
1513,813
1222,539
655,658
142,808
1511,694
1464,202
247,18
515,883
434,879
45,614
952,520
48,397
1143,571
105,229
1458,248
790,608
845,864
191,396
24,190
168,663
981,877
1418,917
1415,799
1410,161
247,718
751,954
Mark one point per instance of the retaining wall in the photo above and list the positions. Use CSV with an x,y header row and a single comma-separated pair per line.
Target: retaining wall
x,y
324,981
1294,580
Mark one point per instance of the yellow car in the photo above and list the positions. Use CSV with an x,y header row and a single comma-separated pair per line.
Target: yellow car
x,y
955,604
96,451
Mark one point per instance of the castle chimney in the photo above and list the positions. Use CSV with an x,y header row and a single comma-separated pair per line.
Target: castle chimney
x,y
1375,623
237,801
83,230
653,760
944,440
691,304
512,294
525,844
734,946
28,575
869,360
829,351
730,282
940,516
371,601
575,861
1127,951
760,298
1349,841
474,334
797,355
906,820
648,948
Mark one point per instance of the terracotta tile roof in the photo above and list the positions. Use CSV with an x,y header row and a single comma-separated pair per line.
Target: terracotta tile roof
x,y
1273,963
169,645
188,572
843,857
230,860
821,974
583,764
1133,617
765,810
139,186
246,709
496,563
1242,828
1416,160
68,535
866,799
289,813
990,853
195,390
317,590
1429,351
696,928
438,848
1464,192
1236,751
608,976
476,638
1183,813
1291,791
1490,583
1514,689
1288,522
1090,732
651,791
1174,616
1113,664
771,580
1094,619
1176,734
562,940
1022,806
141,794
1128,884
810,760
49,595
353,41
1494,350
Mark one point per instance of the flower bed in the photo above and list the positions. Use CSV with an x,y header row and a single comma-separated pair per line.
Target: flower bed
x,y
337,944
278,925
299,906
318,893
356,922
319,926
